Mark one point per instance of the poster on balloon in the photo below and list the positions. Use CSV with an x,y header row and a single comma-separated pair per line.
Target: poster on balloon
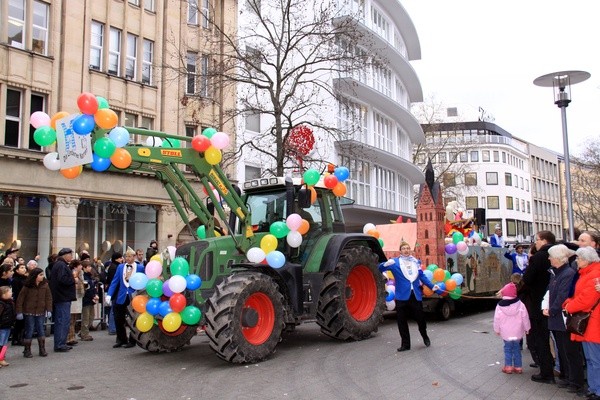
x,y
73,149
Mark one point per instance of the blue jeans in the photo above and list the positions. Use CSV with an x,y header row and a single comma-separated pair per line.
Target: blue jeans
x,y
592,358
34,323
512,354
62,321
4,334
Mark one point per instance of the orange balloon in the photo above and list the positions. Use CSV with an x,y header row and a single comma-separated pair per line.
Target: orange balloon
x,y
439,274
106,118
121,158
304,227
139,303
313,194
73,172
450,285
374,233
340,189
56,117
426,291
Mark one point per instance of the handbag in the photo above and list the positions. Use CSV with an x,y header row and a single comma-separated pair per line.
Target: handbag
x,y
577,322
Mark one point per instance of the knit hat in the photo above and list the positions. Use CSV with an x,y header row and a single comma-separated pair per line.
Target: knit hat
x,y
64,250
509,291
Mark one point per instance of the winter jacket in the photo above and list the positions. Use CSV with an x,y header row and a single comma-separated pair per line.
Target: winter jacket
x,y
8,316
584,299
35,300
536,278
560,283
90,291
62,283
514,257
511,320
118,290
17,284
406,282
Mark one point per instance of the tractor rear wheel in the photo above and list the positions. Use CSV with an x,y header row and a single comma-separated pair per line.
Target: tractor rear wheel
x,y
245,317
352,300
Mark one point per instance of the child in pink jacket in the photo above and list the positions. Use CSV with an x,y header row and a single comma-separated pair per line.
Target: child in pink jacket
x,y
511,323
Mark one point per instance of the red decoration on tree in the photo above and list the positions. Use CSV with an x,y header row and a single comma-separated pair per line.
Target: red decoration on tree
x,y
300,142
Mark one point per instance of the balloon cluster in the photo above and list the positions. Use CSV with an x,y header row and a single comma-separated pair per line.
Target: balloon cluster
x,y
292,230
165,301
210,143
371,230
448,283
334,181
458,245
390,289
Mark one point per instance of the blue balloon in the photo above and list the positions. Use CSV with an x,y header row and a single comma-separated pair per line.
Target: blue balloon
x,y
193,282
276,259
138,281
428,274
153,305
100,164
458,278
442,287
163,309
341,173
120,136
390,295
84,124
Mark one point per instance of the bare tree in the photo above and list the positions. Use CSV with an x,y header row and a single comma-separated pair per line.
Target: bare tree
x,y
585,178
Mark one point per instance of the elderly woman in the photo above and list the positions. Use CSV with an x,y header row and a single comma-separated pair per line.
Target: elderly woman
x,y
584,298
569,352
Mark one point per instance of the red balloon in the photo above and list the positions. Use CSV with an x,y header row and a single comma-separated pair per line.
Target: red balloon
x,y
200,143
177,302
87,103
330,181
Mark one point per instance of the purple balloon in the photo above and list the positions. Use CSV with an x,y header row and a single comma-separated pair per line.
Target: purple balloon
x,y
166,289
450,248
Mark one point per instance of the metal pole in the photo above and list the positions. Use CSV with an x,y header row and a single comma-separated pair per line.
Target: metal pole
x,y
563,113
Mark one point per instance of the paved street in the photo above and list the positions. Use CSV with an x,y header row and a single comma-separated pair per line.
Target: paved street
x,y
463,362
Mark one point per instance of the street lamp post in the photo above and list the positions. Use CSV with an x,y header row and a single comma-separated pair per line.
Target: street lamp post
x,y
561,83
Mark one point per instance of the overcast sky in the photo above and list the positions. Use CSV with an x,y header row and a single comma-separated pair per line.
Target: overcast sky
x,y
486,53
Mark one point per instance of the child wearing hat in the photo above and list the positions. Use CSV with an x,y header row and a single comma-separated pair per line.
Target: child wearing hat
x,y
511,323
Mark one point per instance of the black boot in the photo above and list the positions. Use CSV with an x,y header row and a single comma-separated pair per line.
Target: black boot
x,y
42,346
27,351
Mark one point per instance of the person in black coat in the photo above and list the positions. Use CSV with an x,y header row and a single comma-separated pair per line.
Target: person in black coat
x,y
111,269
17,283
62,286
152,250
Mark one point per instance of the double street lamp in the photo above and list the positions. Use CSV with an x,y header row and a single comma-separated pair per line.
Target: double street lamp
x,y
561,84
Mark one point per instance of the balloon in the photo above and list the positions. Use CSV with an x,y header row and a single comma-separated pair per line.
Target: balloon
x,y
368,227
102,102
166,288
461,246
59,115
121,158
220,140
450,248
374,233
432,267
100,164
279,229
213,155
180,266
144,322
276,259
442,286
268,243
450,285
304,227
438,275
172,250
156,257
341,173
171,143
313,195
390,305
391,295
177,283
200,143
340,189
153,269
152,305
154,287
464,252
380,240
138,281
330,181
193,282
457,237
87,103
294,239
191,315
456,293
177,302
51,161
83,124
426,291
164,309
39,118
458,278
152,141
139,303
447,275
428,274
73,172
201,232
293,221
311,177
209,132
255,255
104,147
106,118
44,136
171,322
120,136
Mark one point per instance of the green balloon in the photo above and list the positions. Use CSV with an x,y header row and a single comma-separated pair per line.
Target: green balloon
x,y
209,132
447,275
154,288
380,242
190,315
44,136
180,266
104,147
171,143
432,267
311,177
457,237
102,102
279,229
456,293
201,232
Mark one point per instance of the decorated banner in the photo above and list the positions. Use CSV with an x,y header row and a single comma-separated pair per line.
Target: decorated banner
x,y
73,149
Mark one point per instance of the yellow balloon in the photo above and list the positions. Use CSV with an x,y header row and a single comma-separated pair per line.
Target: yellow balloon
x,y
156,257
144,322
268,243
213,155
171,322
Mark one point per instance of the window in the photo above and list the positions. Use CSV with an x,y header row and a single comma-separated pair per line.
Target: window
x,y
37,104
464,156
485,155
149,5
523,205
527,185
511,227
493,202
147,59
496,156
385,186
474,156
97,41
471,179
205,13
516,181
504,157
135,2
383,133
359,184
508,179
251,172
203,78
114,51
443,157
253,122
449,179
452,112
491,178
130,63
516,204
147,122
12,127
16,23
471,202
192,12
509,202
40,28
191,73
491,223
522,185
130,119
528,207
452,157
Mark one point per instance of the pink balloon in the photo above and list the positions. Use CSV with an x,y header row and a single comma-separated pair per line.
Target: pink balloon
x,y
39,118
220,140
293,222
153,269
461,246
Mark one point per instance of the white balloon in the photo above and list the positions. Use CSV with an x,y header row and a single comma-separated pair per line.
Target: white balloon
x,y
51,161
294,239
153,141
368,227
171,250
390,305
177,283
463,252
256,255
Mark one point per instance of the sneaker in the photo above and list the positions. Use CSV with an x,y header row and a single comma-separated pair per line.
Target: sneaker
x,y
507,369
518,370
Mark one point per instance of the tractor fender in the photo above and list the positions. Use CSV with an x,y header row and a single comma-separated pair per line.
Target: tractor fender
x,y
342,241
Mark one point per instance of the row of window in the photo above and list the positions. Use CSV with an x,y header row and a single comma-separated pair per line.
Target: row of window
x,y
493,203
471,156
491,178
28,25
523,230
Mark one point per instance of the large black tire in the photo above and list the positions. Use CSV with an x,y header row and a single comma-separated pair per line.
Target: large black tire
x,y
245,317
352,300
